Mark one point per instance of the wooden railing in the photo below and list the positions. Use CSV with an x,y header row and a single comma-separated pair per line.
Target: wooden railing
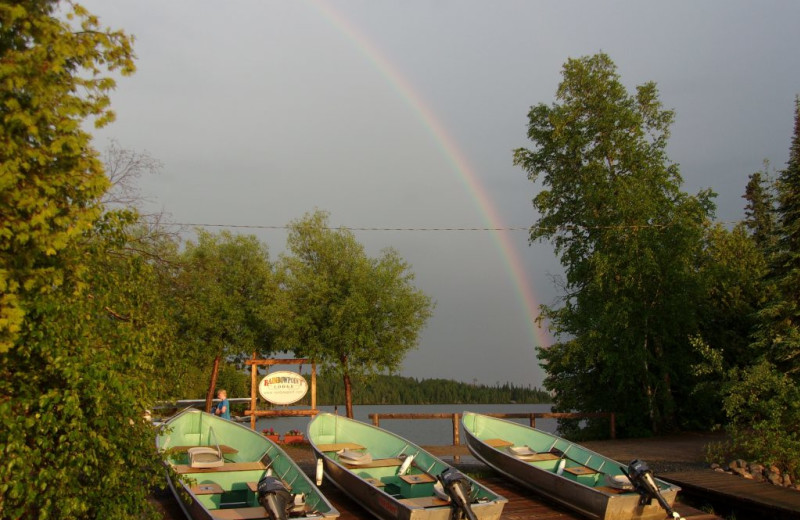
x,y
456,419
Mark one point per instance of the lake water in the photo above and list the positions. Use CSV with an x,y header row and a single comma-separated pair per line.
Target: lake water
x,y
426,432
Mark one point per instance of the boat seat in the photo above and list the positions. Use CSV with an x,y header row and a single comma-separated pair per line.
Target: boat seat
x,y
340,446
580,470
353,457
376,463
424,502
205,457
240,513
497,443
207,488
618,482
529,455
229,466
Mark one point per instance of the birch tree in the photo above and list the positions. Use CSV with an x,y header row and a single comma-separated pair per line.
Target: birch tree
x,y
627,236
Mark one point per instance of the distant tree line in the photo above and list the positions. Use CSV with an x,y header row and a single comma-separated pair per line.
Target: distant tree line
x,y
392,389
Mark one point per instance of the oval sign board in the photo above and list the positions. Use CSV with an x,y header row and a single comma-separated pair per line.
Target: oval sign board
x,y
283,387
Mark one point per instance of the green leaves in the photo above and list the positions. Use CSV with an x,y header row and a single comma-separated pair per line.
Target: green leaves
x,y
354,314
52,79
628,239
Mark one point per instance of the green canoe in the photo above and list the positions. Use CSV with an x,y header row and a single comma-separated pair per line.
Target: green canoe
x,y
394,478
227,471
585,481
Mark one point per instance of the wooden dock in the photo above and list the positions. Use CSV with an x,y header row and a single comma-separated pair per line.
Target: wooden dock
x,y
746,497
522,504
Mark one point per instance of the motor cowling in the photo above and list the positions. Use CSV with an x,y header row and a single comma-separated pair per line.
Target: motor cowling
x,y
274,497
642,479
458,488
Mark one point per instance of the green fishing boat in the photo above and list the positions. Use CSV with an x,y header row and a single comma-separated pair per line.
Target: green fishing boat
x,y
223,470
394,478
587,482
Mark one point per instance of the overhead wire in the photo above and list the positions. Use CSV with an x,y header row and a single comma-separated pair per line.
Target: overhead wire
x,y
634,227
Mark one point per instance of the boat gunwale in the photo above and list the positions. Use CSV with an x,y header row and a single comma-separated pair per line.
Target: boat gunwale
x,y
366,485
179,486
481,450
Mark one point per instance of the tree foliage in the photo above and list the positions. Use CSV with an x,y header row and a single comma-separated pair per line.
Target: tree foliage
x,y
760,208
762,395
223,290
76,334
53,77
779,335
629,240
75,387
351,313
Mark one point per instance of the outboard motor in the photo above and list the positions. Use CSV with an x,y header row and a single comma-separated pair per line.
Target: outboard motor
x,y
458,488
274,497
641,477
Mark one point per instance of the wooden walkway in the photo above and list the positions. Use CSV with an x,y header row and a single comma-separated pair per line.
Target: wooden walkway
x,y
522,504
755,499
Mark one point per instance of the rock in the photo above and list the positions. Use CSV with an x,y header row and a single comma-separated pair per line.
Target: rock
x,y
757,471
738,470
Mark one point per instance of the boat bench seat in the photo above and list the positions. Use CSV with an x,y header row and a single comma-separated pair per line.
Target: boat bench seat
x,y
228,466
339,446
498,443
529,455
424,502
580,470
207,488
375,463
240,513
226,450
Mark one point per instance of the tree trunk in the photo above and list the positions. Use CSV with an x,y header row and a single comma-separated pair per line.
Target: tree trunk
x,y
348,395
212,384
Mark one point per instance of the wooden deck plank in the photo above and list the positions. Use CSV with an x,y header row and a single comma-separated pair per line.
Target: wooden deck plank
x,y
760,496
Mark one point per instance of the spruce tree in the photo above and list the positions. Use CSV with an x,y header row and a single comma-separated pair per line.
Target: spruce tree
x,y
760,211
779,337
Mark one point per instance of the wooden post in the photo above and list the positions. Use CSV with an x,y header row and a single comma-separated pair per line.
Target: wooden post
x,y
376,419
533,420
313,386
253,383
456,435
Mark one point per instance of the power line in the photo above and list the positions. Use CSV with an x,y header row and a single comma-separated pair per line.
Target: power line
x,y
634,227
254,226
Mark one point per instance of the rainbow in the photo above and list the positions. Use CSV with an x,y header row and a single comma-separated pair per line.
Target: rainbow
x,y
454,156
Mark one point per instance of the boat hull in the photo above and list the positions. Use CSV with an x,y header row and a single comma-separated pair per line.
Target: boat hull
x,y
227,489
378,488
580,494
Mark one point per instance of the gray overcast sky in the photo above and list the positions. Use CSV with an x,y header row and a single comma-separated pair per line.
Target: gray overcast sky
x,y
404,115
